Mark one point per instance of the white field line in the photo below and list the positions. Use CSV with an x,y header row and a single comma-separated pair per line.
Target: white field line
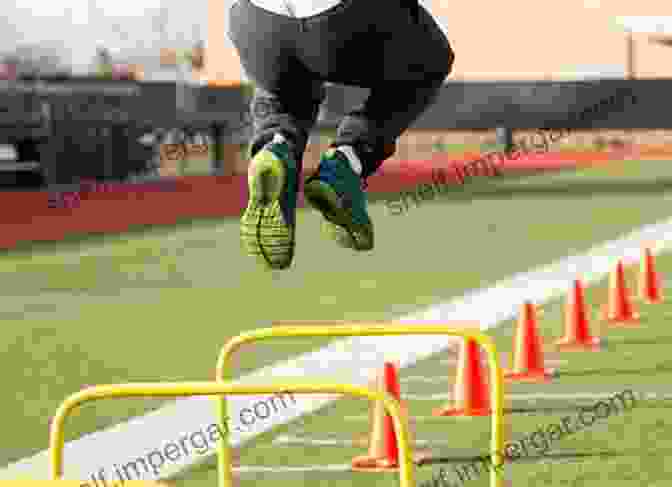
x,y
289,440
423,379
346,467
529,398
305,440
537,396
453,363
550,361
350,360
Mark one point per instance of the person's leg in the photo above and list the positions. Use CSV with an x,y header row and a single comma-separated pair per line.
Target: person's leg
x,y
404,61
417,58
284,108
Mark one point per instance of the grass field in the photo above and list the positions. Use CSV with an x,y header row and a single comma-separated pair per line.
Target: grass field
x,y
85,311
627,448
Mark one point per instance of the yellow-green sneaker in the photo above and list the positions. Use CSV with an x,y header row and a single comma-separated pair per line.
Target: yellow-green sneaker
x,y
336,191
267,228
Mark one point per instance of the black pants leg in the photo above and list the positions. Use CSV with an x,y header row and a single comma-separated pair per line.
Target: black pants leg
x,y
287,96
402,56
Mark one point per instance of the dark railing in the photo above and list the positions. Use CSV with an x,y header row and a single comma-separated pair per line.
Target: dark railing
x,y
53,112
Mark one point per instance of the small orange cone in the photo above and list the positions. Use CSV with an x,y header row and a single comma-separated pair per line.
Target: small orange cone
x,y
528,355
649,281
375,438
577,330
383,455
471,392
619,310
376,420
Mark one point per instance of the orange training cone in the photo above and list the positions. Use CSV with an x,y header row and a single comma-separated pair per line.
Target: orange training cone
x,y
383,449
528,354
391,379
471,391
376,420
376,439
649,281
577,330
619,310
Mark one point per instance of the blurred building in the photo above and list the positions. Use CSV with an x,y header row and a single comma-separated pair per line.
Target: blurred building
x,y
524,39
163,64
222,64
32,61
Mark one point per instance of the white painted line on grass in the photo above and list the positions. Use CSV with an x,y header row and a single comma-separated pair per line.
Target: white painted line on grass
x,y
540,396
426,380
454,361
363,417
345,467
351,360
440,379
301,440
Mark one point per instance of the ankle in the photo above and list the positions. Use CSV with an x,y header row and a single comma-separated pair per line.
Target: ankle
x,y
349,152
278,138
267,139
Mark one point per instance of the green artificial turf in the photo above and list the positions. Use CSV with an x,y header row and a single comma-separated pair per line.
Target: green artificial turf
x,y
158,304
628,446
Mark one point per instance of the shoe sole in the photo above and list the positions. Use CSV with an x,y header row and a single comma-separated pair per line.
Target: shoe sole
x,y
264,232
325,200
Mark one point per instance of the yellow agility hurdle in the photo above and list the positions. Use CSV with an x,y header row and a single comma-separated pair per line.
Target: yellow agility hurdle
x,y
70,483
178,389
364,329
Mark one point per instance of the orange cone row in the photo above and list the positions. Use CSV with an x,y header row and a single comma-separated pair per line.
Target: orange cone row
x,y
471,394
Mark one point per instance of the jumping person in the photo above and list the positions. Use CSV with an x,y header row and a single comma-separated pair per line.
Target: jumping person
x,y
290,49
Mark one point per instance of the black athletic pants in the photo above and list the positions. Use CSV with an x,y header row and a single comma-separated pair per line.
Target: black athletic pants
x,y
396,50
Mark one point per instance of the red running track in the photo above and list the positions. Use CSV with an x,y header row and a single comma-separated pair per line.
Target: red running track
x,y
28,216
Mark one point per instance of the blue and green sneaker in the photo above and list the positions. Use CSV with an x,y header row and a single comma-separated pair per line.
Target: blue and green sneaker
x,y
336,191
267,228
